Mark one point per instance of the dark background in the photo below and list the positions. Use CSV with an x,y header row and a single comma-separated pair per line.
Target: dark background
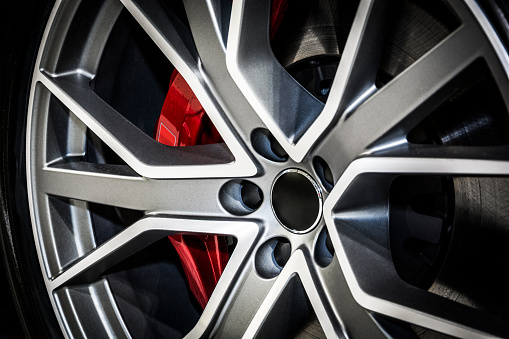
x,y
10,326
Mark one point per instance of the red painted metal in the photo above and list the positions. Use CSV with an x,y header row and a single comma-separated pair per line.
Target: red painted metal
x,y
203,258
184,122
277,13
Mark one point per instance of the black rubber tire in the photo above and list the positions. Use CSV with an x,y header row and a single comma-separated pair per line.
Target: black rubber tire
x,y
24,25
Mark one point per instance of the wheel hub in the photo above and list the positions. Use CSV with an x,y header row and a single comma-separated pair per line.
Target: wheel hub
x,y
296,200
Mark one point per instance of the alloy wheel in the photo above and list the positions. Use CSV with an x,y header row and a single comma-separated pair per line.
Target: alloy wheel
x,y
318,245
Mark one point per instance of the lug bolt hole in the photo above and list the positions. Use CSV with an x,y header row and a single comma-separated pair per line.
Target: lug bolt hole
x,y
251,194
324,251
272,256
323,173
267,146
282,252
240,197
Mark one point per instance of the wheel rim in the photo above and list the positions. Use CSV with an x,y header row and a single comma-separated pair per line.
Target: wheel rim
x,y
359,135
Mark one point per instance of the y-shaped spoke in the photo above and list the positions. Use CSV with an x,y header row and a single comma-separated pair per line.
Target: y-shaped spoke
x,y
146,231
405,101
145,155
384,292
355,78
177,43
85,182
209,23
271,90
284,106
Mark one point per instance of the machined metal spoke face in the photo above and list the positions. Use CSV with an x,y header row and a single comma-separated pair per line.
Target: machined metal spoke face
x,y
284,106
130,143
84,181
374,283
308,274
355,78
150,229
387,116
177,45
169,33
300,189
209,21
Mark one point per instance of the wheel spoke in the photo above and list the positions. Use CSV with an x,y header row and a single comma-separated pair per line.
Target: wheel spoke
x,y
82,181
407,150
150,229
384,292
475,167
285,107
170,35
246,293
107,185
176,42
403,102
353,83
355,78
209,21
143,233
355,319
314,289
376,286
141,152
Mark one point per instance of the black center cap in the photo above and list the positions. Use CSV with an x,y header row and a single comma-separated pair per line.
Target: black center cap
x,y
296,200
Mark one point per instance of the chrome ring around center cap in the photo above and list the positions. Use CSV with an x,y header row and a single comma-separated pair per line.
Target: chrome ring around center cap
x,y
296,200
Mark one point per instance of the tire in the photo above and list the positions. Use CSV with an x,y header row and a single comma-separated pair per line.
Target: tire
x,y
21,41
348,176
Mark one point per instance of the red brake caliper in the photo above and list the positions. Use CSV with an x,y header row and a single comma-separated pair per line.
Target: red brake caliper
x,y
183,122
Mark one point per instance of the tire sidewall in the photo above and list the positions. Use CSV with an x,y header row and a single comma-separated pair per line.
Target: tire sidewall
x,y
25,22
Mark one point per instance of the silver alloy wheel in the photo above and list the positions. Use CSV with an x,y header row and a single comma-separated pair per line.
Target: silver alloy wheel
x,y
360,133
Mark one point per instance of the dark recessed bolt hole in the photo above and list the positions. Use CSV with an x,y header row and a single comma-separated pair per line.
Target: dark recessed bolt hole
x,y
267,146
325,86
328,243
316,75
251,195
282,252
272,256
240,197
324,251
324,173
276,147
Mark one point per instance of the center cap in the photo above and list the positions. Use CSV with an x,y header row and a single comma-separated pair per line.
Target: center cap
x,y
296,200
